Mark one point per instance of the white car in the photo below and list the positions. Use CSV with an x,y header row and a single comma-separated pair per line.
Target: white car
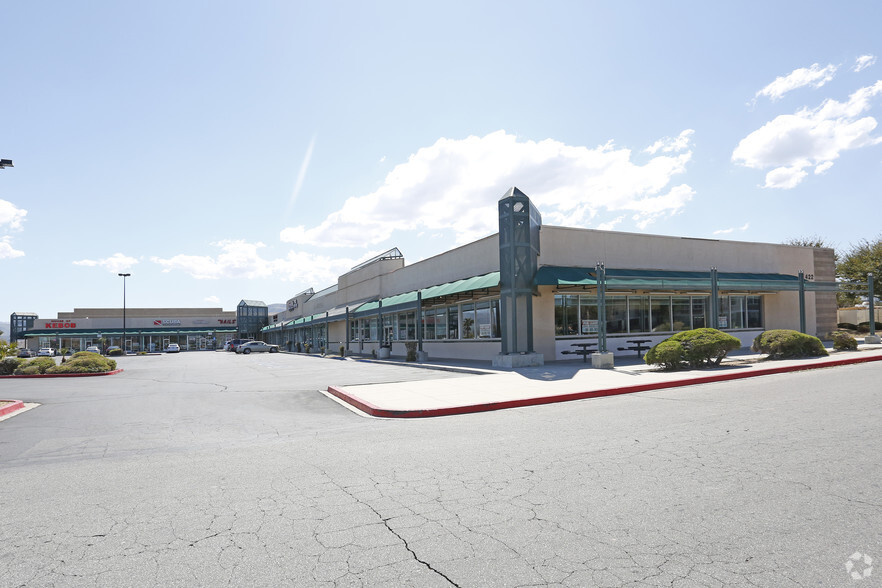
x,y
173,348
93,349
46,352
250,346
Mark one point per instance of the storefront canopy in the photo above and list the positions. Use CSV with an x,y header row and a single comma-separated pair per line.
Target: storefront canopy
x,y
636,279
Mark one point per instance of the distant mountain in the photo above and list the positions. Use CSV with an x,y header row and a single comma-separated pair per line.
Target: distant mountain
x,y
5,328
276,308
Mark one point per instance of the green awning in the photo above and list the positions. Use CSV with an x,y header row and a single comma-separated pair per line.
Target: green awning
x,y
643,279
483,282
551,275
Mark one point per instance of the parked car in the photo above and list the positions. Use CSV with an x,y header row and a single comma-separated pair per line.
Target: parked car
x,y
93,349
256,346
173,348
25,352
236,342
46,352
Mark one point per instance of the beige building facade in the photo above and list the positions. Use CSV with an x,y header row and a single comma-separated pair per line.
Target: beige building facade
x,y
656,285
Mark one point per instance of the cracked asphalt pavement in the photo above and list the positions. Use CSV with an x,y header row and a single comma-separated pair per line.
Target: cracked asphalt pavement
x,y
211,469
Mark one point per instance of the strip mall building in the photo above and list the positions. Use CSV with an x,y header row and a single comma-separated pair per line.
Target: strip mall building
x,y
535,291
145,329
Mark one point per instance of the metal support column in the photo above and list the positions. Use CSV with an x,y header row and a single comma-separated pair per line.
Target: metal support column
x,y
600,274
347,329
801,301
714,309
870,296
419,320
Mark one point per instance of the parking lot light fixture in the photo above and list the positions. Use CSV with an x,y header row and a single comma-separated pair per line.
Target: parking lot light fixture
x,y
4,163
124,276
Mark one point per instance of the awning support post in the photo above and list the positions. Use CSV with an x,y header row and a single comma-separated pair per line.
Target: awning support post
x,y
714,300
801,301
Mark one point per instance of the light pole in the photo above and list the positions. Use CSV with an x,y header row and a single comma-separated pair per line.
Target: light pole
x,y
124,276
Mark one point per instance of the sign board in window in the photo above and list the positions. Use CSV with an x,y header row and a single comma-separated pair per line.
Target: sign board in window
x,y
723,321
589,326
484,331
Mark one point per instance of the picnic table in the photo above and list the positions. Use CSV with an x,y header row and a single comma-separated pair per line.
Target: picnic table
x,y
638,346
584,350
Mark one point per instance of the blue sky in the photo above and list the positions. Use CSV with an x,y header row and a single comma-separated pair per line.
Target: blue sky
x,y
220,151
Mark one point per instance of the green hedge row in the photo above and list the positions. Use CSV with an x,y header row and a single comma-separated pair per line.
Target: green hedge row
x,y
82,362
695,348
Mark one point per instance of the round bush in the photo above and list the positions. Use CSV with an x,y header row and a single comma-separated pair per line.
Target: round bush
x,y
706,346
844,342
849,326
8,365
85,363
668,354
39,365
699,348
785,343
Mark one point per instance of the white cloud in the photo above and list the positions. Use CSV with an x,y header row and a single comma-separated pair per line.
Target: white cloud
x,y
732,230
791,143
815,76
823,167
239,259
212,299
115,263
6,249
610,225
11,215
455,185
668,145
863,62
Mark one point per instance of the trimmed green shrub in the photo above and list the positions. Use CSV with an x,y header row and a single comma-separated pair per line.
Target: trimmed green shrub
x,y
706,346
668,354
785,343
849,326
698,348
864,327
115,352
844,342
342,351
35,366
8,365
85,363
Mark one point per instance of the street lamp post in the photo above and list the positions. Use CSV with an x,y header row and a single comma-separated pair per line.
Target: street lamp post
x,y
124,276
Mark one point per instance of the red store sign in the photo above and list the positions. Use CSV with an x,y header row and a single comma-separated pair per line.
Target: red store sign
x,y
227,321
58,325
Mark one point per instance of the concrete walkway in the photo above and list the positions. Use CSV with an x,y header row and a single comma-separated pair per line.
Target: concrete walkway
x,y
487,389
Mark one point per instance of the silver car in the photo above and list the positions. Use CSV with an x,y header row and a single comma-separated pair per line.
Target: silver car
x,y
250,346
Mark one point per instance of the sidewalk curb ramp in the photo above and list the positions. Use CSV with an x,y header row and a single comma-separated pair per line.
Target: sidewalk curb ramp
x,y
11,408
377,411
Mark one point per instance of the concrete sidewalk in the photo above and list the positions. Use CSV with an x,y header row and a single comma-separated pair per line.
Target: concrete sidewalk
x,y
559,382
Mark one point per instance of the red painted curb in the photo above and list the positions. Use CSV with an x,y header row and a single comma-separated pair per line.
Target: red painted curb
x,y
64,375
376,411
10,408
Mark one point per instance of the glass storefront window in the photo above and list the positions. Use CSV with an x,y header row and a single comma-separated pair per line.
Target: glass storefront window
x,y
469,328
482,313
681,309
754,312
660,307
453,322
617,314
638,314
736,312
588,315
699,312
